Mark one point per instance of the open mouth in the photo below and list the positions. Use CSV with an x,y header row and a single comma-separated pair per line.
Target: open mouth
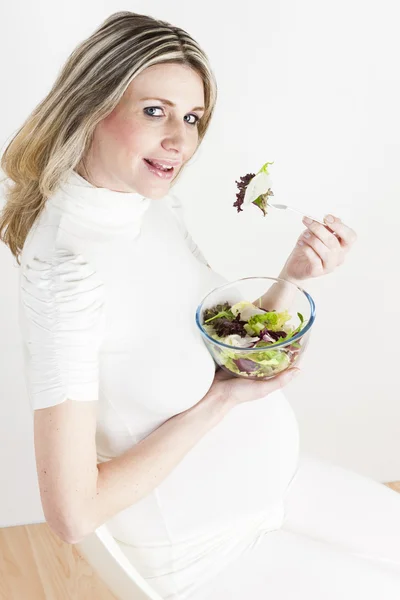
x,y
162,170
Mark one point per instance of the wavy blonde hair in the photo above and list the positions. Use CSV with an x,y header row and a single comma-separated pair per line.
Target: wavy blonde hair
x,y
58,133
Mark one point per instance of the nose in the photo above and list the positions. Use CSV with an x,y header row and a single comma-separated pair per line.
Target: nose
x,y
175,137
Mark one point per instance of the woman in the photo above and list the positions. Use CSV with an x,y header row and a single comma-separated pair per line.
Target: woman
x,y
197,474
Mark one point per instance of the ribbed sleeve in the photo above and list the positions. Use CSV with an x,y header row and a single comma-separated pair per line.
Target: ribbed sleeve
x,y
62,324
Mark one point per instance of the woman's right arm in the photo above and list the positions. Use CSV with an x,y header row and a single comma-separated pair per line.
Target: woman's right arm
x,y
62,325
78,496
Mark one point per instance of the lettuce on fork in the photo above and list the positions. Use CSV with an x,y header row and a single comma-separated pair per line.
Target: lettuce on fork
x,y
245,325
255,189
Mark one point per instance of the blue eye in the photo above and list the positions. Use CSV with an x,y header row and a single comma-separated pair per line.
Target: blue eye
x,y
152,108
195,122
150,111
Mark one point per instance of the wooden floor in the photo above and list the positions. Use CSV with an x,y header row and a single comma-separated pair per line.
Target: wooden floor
x,y
395,485
36,565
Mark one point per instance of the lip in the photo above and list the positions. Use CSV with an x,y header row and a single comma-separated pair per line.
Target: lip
x,y
166,175
165,161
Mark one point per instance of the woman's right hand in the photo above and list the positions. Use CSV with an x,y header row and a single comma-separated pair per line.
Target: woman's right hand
x,y
236,390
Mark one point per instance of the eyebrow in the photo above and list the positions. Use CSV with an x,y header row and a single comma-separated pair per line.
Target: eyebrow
x,y
165,101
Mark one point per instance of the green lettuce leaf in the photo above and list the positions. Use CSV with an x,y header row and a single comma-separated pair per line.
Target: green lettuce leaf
x,y
270,320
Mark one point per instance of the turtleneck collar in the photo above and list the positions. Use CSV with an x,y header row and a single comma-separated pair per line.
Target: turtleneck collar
x,y
101,207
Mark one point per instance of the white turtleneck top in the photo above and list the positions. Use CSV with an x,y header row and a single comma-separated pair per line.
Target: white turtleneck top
x,y
110,283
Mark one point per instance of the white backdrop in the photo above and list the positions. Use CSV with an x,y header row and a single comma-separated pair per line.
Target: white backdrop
x,y
313,86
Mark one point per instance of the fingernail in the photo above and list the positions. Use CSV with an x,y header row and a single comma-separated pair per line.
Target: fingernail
x,y
329,219
307,221
307,234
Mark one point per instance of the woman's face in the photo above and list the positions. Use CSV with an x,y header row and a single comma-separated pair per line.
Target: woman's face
x,y
156,121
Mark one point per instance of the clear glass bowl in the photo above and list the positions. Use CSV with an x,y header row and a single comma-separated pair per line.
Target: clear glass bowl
x,y
270,294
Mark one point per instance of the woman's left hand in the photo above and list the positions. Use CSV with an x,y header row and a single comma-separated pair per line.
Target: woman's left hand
x,y
319,249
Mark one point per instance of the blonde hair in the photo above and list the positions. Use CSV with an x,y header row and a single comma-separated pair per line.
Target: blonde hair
x,y
58,133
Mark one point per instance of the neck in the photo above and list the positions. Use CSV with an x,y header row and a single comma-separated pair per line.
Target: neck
x,y
100,178
99,207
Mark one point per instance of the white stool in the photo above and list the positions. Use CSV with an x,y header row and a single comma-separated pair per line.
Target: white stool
x,y
103,553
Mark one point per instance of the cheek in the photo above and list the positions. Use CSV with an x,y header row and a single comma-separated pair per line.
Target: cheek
x,y
122,135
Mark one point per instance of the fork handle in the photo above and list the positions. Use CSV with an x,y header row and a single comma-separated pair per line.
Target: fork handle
x,y
305,215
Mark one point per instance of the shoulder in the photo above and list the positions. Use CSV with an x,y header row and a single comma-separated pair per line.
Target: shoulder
x,y
50,260
60,291
42,237
59,287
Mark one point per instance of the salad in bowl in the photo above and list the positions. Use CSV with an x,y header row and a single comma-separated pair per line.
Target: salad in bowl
x,y
256,327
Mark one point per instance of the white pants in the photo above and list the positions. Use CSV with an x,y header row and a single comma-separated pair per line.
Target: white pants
x,y
340,540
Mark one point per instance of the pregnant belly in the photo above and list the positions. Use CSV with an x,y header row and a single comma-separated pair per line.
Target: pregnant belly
x,y
239,468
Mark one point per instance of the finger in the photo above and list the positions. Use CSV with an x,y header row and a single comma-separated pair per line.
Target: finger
x,y
325,255
313,259
271,385
278,382
221,374
327,237
347,236
283,379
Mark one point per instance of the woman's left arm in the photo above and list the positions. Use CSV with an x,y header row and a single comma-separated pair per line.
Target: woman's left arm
x,y
319,250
